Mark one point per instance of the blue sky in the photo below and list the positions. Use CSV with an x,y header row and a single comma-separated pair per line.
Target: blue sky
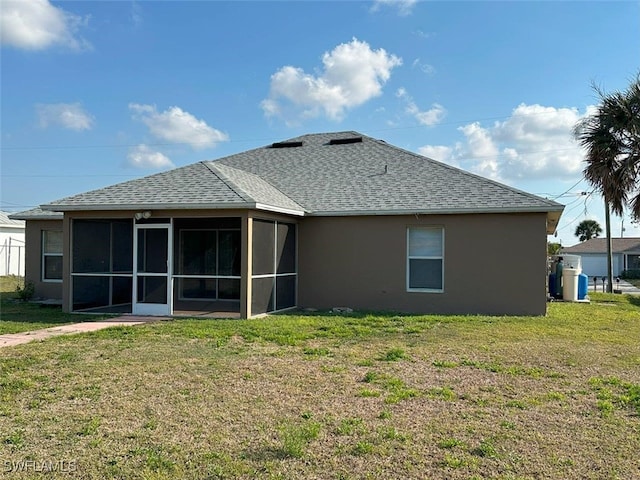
x,y
95,93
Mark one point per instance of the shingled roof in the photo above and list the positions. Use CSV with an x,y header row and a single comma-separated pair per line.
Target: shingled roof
x,y
37,214
9,221
599,245
343,173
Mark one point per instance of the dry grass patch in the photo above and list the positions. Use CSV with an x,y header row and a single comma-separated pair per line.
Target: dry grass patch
x,y
366,396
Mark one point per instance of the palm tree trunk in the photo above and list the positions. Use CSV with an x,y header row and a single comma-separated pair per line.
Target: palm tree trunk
x,y
607,218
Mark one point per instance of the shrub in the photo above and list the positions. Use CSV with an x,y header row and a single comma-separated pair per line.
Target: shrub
x,y
630,274
26,292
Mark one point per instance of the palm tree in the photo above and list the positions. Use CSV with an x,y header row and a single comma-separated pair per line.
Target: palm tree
x,y
588,229
611,138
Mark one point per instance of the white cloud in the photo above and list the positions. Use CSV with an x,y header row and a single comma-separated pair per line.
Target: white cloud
x,y
404,6
67,115
136,14
429,117
176,125
427,69
142,156
37,25
442,153
534,142
353,74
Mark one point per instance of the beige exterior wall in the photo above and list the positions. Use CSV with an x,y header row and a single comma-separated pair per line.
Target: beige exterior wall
x,y
493,264
33,258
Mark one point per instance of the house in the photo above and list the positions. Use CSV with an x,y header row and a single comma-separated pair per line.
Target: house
x,y
625,254
43,253
318,221
11,245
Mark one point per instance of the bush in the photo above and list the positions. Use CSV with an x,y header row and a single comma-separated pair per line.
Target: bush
x,y
26,293
630,274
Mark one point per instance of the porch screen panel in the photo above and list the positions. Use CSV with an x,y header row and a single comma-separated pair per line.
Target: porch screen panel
x,y
122,252
286,248
121,290
91,246
229,253
152,289
198,252
102,263
285,292
229,289
152,250
197,288
90,292
262,295
263,247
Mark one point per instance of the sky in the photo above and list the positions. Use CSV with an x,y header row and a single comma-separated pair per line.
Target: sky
x,y
95,93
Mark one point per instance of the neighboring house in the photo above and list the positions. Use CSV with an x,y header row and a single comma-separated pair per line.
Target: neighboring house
x,y
625,255
43,258
11,245
319,221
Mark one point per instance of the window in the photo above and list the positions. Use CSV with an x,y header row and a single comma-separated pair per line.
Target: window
x,y
52,255
425,259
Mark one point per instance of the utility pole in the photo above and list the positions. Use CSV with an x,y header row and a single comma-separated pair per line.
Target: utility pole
x,y
607,218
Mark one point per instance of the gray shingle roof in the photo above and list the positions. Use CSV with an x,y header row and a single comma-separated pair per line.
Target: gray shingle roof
x,y
252,188
37,214
193,186
8,220
367,177
350,178
599,245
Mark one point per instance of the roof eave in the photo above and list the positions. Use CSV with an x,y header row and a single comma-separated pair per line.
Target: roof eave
x,y
448,211
157,206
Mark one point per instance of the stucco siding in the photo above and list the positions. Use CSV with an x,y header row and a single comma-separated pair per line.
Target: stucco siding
x,y
33,259
361,262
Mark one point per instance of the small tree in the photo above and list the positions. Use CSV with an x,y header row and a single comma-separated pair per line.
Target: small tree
x,y
553,248
588,229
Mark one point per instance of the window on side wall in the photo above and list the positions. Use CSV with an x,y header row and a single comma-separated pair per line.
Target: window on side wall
x,y
52,255
425,259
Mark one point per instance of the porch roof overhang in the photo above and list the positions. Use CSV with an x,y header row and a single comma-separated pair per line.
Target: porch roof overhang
x,y
172,206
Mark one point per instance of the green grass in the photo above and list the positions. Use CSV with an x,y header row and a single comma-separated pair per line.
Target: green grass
x,y
326,396
17,316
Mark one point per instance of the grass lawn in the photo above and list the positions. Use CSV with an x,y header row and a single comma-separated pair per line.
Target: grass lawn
x,y
332,397
17,316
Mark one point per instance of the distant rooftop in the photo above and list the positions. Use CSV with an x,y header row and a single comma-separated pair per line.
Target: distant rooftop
x,y
7,221
599,245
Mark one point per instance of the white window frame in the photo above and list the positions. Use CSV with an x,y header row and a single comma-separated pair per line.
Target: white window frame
x,y
419,257
47,254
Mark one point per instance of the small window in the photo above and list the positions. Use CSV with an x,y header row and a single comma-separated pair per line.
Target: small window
x,y
52,255
425,259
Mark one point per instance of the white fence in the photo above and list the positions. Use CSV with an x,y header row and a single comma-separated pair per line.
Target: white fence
x,y
12,257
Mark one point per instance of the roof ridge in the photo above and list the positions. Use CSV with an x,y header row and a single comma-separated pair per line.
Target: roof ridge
x,y
228,182
213,164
